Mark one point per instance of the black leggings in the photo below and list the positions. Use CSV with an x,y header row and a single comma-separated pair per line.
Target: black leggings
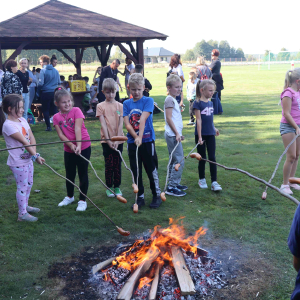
x,y
210,144
112,165
72,161
48,106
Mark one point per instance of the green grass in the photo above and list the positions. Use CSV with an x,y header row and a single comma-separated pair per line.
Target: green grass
x,y
249,139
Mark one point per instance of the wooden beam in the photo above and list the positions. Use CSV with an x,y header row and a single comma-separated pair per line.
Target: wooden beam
x,y
107,54
98,54
78,55
17,51
140,51
127,290
154,285
1,65
186,283
132,49
102,265
126,52
67,56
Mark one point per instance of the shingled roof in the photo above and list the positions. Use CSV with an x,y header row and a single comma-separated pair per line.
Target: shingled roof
x,y
61,22
160,51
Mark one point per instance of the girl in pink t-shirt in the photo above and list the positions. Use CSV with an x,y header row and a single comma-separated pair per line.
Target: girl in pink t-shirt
x,y
289,127
16,133
69,126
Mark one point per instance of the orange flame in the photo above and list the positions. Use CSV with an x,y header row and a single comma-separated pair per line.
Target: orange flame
x,y
144,281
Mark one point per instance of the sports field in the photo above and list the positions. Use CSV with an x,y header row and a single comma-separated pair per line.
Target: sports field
x,y
247,234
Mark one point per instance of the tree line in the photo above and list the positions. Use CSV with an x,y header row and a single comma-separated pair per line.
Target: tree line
x,y
204,48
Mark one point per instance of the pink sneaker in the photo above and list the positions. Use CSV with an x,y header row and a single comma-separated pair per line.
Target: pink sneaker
x,y
286,189
294,186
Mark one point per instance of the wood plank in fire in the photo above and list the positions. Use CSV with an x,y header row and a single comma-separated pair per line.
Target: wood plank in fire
x,y
153,290
102,265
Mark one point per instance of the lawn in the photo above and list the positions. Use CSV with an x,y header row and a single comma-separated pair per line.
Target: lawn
x,y
249,139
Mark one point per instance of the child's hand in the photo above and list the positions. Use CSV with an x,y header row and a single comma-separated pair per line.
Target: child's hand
x,y
111,144
297,131
40,160
178,137
182,138
73,148
200,142
138,141
77,150
218,132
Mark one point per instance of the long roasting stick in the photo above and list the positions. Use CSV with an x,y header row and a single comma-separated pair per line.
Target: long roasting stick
x,y
120,230
264,194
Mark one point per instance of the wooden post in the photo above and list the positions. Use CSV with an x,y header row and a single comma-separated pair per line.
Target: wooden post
x,y
140,51
127,290
186,283
107,54
78,55
1,65
103,54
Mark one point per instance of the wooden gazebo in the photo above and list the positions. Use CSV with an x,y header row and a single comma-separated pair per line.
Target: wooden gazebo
x,y
57,25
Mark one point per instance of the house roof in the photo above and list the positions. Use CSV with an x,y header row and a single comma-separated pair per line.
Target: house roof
x,y
62,23
159,51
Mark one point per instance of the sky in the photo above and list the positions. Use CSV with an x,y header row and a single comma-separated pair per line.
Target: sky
x,y
254,26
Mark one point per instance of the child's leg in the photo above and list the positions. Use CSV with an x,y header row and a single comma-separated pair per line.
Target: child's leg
x,y
117,166
191,111
21,177
109,164
133,166
295,164
174,176
150,163
70,166
83,166
202,151
30,181
210,141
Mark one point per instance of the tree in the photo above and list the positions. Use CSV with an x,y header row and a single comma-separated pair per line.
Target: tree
x,y
266,56
189,55
239,53
224,49
203,49
282,56
118,54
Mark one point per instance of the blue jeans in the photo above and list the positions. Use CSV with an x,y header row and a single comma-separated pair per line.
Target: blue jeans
x,y
26,104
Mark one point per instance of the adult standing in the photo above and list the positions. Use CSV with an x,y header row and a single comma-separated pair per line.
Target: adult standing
x,y
33,85
128,67
203,71
10,82
23,75
175,67
215,68
53,60
49,80
110,71
96,80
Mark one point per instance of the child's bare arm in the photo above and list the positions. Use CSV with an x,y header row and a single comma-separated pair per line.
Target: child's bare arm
x,y
199,125
105,131
171,123
78,135
64,138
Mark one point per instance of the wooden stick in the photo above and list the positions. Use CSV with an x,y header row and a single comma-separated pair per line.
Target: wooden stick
x,y
127,290
186,283
154,286
102,265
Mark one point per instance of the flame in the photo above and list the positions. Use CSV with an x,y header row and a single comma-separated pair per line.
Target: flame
x,y
161,240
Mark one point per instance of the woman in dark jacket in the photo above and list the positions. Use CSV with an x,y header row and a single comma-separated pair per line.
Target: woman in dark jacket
x,y
10,82
215,68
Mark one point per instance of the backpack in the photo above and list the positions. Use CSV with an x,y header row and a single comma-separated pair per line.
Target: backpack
x,y
203,76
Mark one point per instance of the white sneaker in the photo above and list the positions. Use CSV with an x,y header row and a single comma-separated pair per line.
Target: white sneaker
x,y
89,111
286,189
215,187
51,120
81,206
66,201
202,183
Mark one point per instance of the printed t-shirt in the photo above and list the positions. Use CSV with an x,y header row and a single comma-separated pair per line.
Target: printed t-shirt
x,y
294,245
171,102
66,123
17,157
111,113
295,108
207,117
133,110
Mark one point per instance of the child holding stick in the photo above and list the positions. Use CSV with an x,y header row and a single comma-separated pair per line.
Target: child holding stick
x,y
17,132
205,131
289,126
137,113
69,126
110,113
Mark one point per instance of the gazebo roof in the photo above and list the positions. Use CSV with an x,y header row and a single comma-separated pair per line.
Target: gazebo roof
x,y
55,24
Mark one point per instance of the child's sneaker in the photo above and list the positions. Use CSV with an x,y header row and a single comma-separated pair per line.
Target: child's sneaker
x,y
90,111
182,187
140,202
82,205
202,183
32,209
190,123
294,186
173,191
215,187
156,202
109,194
118,191
66,201
27,217
286,189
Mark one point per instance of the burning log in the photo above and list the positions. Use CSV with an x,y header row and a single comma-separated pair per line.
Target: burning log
x,y
186,283
154,286
102,265
127,290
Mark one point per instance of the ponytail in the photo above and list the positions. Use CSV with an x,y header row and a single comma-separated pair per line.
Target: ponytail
x,y
290,77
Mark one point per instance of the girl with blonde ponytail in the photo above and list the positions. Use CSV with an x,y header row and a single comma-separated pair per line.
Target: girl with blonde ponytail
x,y
289,126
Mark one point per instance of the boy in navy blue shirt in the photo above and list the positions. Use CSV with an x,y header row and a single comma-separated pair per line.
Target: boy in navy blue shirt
x,y
294,245
137,113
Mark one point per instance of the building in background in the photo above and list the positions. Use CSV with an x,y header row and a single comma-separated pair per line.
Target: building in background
x,y
157,55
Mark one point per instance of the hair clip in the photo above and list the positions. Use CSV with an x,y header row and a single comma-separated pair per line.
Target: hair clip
x,y
59,88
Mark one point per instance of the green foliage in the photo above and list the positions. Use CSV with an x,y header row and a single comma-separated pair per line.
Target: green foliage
x,y
189,55
118,55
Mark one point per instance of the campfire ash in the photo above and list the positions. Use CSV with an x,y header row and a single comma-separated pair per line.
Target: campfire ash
x,y
164,266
